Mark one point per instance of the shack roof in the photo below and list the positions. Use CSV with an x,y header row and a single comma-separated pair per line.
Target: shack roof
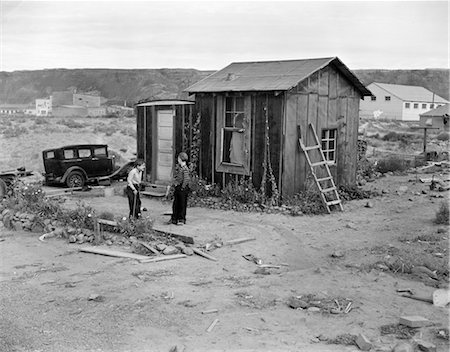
x,y
270,76
410,93
438,112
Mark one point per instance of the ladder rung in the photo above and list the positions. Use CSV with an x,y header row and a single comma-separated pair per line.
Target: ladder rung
x,y
319,163
328,189
312,147
324,179
334,202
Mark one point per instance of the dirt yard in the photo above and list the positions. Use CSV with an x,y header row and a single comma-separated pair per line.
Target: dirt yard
x,y
56,298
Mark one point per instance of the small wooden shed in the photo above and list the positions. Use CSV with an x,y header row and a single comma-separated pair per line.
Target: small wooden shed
x,y
253,111
160,135
437,118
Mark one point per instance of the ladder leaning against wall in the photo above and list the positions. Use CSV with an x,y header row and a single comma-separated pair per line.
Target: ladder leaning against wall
x,y
318,164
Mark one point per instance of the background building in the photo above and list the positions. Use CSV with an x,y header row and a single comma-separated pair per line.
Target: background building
x,y
398,102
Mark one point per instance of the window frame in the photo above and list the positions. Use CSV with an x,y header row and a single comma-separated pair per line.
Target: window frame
x,y
387,98
415,105
327,140
407,105
424,106
373,98
221,128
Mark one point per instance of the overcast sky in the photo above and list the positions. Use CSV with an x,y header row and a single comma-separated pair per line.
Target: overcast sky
x,y
208,35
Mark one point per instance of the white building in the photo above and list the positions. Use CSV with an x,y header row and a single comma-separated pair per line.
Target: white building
x,y
43,107
398,102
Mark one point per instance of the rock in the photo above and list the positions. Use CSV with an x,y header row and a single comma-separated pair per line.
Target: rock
x,y
403,347
382,267
402,189
96,298
337,254
27,225
161,247
414,321
384,191
47,222
296,303
17,225
72,239
314,309
188,251
80,238
369,204
424,192
262,271
170,250
37,228
109,243
335,311
180,246
363,343
59,231
426,346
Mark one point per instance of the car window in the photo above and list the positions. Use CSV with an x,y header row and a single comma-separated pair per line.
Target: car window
x,y
100,151
50,155
69,153
84,153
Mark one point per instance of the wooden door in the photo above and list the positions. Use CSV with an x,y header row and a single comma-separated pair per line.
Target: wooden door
x,y
164,153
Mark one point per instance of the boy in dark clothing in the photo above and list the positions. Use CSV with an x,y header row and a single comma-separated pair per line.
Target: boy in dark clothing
x,y
181,181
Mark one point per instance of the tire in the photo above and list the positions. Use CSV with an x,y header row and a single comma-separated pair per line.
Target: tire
x,y
75,179
2,189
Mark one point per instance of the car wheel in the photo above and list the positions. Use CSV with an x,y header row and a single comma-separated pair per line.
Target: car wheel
x,y
2,189
75,179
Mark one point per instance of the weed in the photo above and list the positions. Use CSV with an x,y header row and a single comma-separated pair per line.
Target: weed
x,y
353,192
443,136
13,132
71,123
442,215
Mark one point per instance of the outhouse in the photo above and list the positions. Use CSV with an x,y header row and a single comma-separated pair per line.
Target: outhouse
x,y
253,113
161,136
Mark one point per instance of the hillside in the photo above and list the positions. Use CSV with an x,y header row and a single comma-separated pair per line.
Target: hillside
x,y
22,87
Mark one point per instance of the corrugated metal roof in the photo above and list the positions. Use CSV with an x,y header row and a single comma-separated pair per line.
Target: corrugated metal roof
x,y
166,102
411,93
269,76
439,111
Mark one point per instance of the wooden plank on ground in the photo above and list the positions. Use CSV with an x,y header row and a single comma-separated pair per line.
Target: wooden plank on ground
x,y
112,253
203,254
165,257
238,240
107,222
150,248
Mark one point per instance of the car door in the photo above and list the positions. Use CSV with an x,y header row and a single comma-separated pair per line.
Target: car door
x,y
86,161
102,164
69,158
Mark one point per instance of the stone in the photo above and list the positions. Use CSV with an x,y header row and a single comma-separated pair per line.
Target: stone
x,y
314,309
262,271
17,225
72,239
109,243
80,238
414,321
188,251
59,231
170,250
295,303
7,221
27,225
369,204
363,343
161,246
403,347
426,346
37,228
337,254
421,269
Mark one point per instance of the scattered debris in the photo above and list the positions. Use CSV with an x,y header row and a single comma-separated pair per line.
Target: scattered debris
x,y
417,298
252,258
324,304
239,240
414,321
363,343
203,254
96,298
213,324
400,331
210,311
337,254
426,346
112,253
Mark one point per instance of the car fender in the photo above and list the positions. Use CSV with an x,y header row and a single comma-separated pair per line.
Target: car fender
x,y
73,168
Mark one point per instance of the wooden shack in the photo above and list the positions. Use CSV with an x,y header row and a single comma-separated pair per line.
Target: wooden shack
x,y
437,118
161,136
252,115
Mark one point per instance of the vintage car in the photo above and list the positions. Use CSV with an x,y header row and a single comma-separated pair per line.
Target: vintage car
x,y
77,165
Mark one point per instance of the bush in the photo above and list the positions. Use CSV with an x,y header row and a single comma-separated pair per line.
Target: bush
x,y
306,202
71,123
392,163
241,191
442,215
13,132
443,136
353,192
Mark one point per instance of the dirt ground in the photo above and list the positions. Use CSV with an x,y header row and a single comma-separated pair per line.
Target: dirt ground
x,y
45,286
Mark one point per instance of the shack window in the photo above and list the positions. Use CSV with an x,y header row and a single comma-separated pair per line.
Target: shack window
x,y
387,98
424,106
373,98
416,106
100,151
407,105
431,106
234,138
329,145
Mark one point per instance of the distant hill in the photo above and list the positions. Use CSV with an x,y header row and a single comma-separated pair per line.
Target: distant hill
x,y
435,80
22,87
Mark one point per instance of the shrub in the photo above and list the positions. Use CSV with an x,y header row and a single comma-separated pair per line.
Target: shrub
x,y
71,123
306,202
392,163
135,227
353,192
13,132
365,169
442,215
241,191
443,136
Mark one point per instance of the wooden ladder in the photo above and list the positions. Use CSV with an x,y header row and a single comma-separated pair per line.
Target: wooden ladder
x,y
326,185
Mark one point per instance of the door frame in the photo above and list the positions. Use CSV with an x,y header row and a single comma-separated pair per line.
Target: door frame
x,y
155,140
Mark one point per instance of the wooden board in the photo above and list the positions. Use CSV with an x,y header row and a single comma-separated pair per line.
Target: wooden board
x,y
290,145
112,253
181,237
